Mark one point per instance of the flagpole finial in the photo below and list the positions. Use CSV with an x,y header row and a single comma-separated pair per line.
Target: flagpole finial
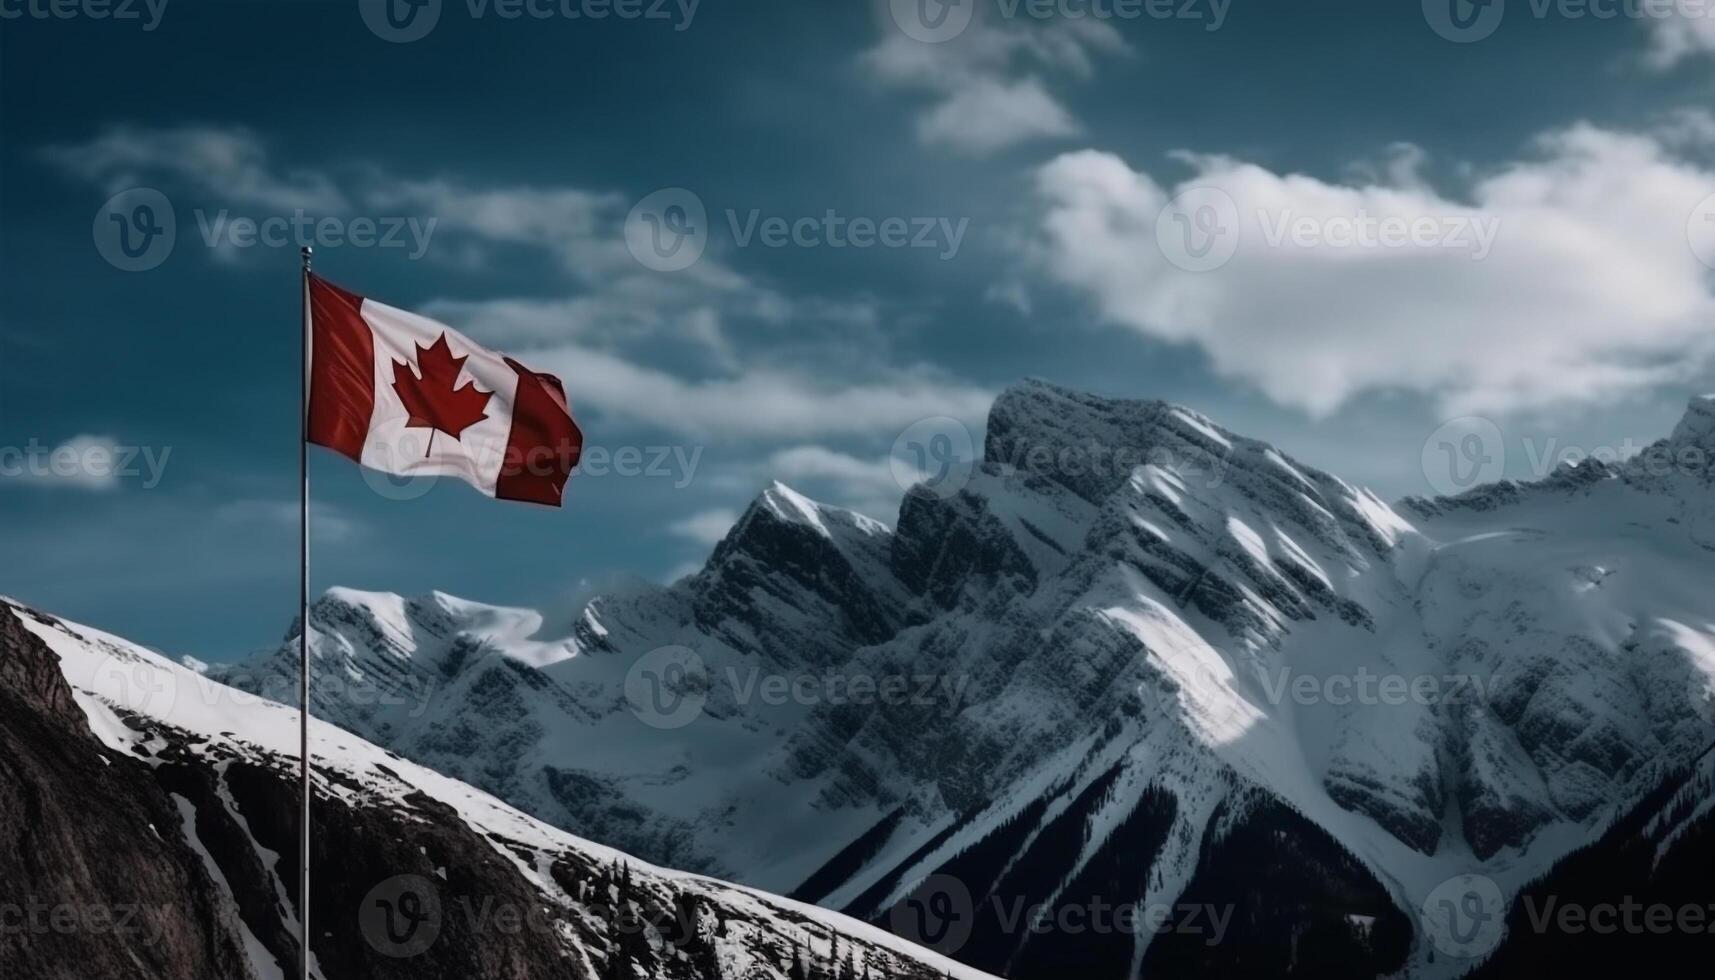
x,y
306,252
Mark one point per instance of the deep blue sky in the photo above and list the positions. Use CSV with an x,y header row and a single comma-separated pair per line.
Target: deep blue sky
x,y
529,140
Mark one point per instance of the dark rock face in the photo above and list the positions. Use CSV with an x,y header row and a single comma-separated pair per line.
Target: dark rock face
x,y
1414,824
1307,907
946,547
1272,895
798,588
95,879
1642,895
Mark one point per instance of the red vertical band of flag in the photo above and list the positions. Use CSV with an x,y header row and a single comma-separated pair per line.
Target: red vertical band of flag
x,y
342,370
545,443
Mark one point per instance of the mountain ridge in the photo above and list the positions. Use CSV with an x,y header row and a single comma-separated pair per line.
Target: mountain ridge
x,y
1127,593
176,803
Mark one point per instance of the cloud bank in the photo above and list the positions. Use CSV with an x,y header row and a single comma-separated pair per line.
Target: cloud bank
x,y
1591,287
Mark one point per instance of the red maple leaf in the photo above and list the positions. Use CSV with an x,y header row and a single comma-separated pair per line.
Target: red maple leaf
x,y
436,400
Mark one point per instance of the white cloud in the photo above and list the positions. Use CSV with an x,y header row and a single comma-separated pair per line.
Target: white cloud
x,y
228,163
611,308
84,462
705,527
1688,128
988,114
757,403
1689,30
328,524
867,486
1591,291
640,307
820,462
988,84
1013,294
583,228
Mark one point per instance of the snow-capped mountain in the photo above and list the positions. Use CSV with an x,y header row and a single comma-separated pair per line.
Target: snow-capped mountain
x,y
1135,659
148,830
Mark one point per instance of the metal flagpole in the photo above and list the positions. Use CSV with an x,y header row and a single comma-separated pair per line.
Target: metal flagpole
x,y
304,617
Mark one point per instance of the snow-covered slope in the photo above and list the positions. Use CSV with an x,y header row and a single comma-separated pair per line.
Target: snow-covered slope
x,y
1134,648
138,787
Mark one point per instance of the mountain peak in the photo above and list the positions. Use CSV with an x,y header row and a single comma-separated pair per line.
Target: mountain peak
x,y
780,504
1091,443
791,506
1697,427
781,519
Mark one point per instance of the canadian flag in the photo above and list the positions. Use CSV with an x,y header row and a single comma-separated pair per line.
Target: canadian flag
x,y
402,394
